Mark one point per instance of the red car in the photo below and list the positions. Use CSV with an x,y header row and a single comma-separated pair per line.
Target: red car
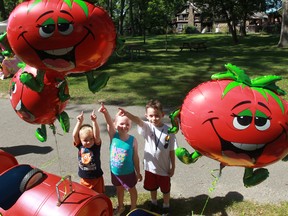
x,y
26,190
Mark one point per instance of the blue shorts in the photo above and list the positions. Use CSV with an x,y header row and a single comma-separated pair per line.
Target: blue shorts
x,y
127,181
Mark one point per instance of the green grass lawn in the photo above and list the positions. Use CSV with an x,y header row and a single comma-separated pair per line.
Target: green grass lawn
x,y
169,76
216,206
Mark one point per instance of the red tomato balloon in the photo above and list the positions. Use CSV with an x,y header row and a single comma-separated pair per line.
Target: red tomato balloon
x,y
37,107
241,126
64,36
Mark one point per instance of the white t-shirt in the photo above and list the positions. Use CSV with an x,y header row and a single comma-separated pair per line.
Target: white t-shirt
x,y
156,153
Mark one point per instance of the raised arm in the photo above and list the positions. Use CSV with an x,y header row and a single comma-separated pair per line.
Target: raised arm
x,y
133,118
96,129
76,139
110,125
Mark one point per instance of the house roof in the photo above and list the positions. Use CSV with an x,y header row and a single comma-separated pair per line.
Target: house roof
x,y
259,15
184,10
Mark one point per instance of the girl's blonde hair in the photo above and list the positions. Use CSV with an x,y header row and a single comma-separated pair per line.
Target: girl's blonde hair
x,y
118,115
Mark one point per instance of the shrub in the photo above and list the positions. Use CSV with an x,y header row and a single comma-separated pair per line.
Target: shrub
x,y
191,30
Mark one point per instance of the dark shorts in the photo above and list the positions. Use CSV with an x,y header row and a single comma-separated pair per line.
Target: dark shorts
x,y
153,181
127,181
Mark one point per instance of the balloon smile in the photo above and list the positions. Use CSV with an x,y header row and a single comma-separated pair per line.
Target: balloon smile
x,y
58,59
59,52
247,147
244,153
24,112
252,151
62,59
248,152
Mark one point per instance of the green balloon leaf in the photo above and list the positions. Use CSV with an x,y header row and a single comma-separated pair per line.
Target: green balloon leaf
x,y
265,85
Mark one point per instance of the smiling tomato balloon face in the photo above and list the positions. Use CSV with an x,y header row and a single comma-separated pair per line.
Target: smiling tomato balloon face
x,y
64,36
36,107
236,124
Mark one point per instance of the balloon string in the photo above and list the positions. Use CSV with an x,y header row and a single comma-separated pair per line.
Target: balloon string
x,y
212,188
57,148
48,163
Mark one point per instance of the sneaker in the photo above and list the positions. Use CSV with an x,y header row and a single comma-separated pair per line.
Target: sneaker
x,y
118,211
153,207
165,211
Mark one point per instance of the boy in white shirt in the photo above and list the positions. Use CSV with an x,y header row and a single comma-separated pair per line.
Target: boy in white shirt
x,y
159,153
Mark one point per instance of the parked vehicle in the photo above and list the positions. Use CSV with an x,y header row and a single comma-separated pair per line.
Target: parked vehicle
x,y
26,190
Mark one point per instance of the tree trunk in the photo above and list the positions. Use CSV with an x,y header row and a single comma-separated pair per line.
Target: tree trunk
x,y
228,14
131,15
283,42
233,31
243,26
2,10
110,8
121,17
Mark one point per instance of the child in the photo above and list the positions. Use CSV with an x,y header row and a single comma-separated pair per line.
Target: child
x,y
159,153
87,139
124,159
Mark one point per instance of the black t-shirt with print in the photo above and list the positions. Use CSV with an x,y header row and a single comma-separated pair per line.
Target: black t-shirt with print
x,y
89,161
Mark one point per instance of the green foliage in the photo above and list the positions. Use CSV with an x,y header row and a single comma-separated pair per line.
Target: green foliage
x,y
9,5
191,30
170,75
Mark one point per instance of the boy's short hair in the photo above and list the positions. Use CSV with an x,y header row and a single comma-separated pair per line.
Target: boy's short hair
x,y
155,104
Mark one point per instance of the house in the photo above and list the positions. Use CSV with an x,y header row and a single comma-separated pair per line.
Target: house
x,y
190,15
270,21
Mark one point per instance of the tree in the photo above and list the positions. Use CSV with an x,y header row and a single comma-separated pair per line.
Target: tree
x,y
161,13
247,8
283,42
7,6
234,12
2,10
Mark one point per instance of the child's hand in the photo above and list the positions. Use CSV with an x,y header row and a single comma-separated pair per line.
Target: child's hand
x,y
139,177
121,112
171,172
93,116
102,109
80,117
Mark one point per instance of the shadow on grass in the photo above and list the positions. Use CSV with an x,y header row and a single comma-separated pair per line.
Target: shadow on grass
x,y
202,204
110,190
199,205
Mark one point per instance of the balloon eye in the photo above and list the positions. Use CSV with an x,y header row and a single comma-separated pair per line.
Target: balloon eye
x,y
65,28
262,123
47,30
242,122
13,89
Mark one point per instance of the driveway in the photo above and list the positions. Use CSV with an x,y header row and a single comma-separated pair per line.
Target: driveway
x,y
58,156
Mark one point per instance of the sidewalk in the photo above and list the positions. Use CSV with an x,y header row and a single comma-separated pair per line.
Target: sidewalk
x,y
58,156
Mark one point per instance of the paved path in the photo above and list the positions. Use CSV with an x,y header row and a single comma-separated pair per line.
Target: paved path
x,y
58,156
